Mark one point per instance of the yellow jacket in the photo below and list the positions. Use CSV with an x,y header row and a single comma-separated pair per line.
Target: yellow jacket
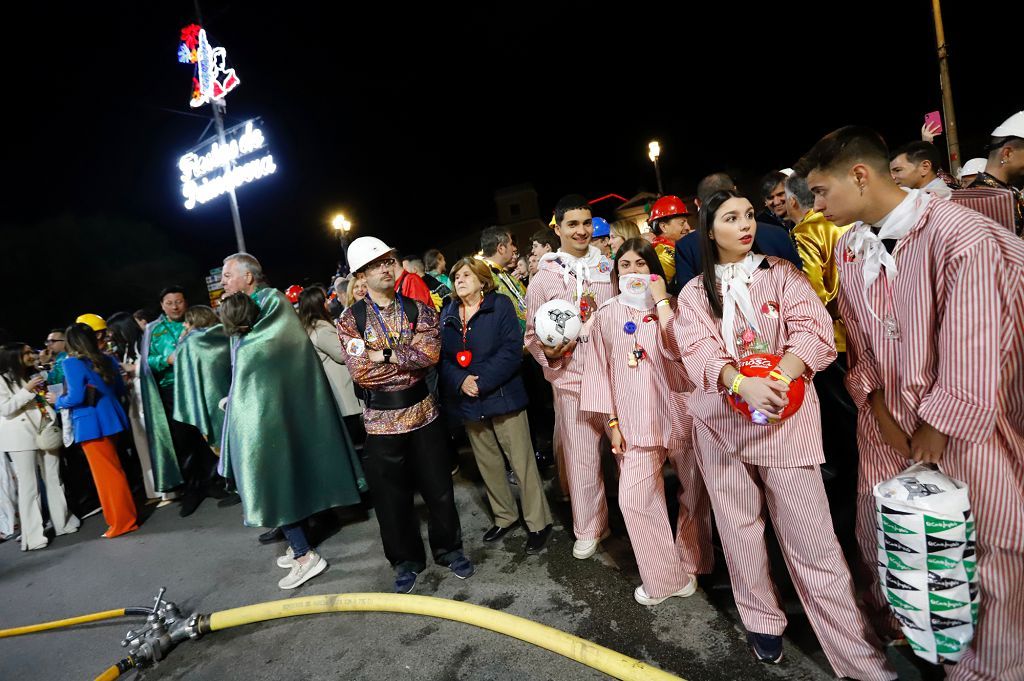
x,y
816,240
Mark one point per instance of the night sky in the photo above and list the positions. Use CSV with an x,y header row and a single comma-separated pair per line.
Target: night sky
x,y
409,119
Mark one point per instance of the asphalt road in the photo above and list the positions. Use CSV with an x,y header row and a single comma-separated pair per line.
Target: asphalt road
x,y
210,562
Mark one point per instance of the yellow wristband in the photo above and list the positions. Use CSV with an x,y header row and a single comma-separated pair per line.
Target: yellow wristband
x,y
735,388
779,376
664,301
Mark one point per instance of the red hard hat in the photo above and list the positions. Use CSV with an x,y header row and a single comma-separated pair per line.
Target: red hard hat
x,y
666,207
292,294
759,366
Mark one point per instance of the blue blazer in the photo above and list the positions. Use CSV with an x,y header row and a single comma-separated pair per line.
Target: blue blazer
x,y
496,341
769,240
107,417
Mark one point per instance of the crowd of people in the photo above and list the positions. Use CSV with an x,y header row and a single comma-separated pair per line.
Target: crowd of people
x,y
890,295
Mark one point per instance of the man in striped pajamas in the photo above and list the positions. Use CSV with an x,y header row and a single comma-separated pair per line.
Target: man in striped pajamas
x,y
933,298
577,272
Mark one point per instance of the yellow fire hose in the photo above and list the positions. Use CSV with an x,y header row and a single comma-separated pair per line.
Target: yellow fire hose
x,y
71,621
573,647
598,657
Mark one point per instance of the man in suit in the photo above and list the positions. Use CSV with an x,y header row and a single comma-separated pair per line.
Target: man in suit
x,y
770,240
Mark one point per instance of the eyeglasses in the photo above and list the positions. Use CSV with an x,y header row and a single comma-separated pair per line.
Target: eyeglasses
x,y
51,341
385,264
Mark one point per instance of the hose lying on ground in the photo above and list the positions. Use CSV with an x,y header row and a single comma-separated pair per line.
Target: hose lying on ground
x,y
71,621
598,657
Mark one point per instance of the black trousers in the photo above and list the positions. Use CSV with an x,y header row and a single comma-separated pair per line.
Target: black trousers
x,y
396,467
196,460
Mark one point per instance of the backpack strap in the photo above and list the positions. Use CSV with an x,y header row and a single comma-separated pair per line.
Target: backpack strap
x,y
359,312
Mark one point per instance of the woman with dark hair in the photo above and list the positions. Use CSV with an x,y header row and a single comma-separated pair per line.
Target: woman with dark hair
x,y
93,388
628,380
126,343
481,356
324,336
23,414
746,303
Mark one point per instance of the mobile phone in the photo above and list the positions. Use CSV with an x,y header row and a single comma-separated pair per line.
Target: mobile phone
x,y
934,120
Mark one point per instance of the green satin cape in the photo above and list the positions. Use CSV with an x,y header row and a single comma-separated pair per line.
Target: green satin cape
x,y
202,378
284,442
166,474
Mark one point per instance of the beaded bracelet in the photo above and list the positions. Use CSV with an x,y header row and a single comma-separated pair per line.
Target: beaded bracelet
x,y
736,383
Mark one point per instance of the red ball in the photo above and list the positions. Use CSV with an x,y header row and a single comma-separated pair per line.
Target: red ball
x,y
292,294
759,366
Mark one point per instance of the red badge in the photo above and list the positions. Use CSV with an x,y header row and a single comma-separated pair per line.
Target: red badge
x,y
650,318
848,256
464,358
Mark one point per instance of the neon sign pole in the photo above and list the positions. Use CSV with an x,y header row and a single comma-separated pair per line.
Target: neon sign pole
x,y
206,87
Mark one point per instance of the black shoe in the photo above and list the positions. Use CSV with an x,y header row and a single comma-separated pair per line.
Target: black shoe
x,y
189,505
215,491
496,533
231,499
766,647
272,535
535,541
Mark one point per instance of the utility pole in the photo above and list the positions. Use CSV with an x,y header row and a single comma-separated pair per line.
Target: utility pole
x,y
952,139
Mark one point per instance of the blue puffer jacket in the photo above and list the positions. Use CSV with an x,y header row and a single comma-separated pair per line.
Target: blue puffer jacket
x,y
106,417
495,339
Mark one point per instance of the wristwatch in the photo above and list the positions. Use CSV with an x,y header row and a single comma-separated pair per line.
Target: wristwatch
x,y
387,355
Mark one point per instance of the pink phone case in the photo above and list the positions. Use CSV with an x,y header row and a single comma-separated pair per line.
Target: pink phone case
x,y
933,119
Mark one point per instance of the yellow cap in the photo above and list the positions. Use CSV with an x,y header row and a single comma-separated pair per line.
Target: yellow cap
x,y
93,321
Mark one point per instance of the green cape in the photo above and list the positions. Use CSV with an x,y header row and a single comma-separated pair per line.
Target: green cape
x,y
284,442
202,378
166,474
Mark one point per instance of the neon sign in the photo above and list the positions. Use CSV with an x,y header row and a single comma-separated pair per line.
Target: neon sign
x,y
206,174
212,80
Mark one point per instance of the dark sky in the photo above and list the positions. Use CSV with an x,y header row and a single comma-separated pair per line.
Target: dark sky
x,y
409,119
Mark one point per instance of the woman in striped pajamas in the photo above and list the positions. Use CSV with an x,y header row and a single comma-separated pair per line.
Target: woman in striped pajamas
x,y
748,303
627,380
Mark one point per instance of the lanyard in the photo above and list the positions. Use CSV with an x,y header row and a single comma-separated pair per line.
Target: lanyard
x,y
384,327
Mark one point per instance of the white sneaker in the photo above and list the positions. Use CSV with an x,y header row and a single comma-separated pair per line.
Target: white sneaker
x,y
643,599
287,560
303,572
585,548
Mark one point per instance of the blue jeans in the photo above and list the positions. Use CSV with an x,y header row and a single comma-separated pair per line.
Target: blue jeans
x,y
296,537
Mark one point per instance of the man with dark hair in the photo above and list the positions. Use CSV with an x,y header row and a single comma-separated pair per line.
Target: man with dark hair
x,y
578,273
53,355
437,267
773,194
916,165
413,264
543,241
1005,166
498,252
936,369
769,240
668,221
181,457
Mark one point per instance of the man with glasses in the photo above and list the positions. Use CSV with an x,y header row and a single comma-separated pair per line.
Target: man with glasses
x,y
391,341
54,353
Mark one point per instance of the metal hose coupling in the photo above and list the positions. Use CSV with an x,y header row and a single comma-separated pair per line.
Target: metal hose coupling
x,y
165,628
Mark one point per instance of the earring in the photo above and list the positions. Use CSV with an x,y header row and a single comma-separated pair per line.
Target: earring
x,y
861,190
1002,161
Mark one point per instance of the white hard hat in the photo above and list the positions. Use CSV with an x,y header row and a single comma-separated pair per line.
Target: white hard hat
x,y
1011,127
365,250
973,167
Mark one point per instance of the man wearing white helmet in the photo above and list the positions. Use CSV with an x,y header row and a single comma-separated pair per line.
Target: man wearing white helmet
x,y
1005,167
970,170
391,341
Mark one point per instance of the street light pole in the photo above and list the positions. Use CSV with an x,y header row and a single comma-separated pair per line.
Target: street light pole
x,y
342,227
653,152
952,138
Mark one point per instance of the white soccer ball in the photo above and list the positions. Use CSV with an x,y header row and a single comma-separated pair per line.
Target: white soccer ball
x,y
556,322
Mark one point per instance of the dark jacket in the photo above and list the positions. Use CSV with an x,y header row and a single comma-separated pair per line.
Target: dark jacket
x,y
769,240
104,416
496,342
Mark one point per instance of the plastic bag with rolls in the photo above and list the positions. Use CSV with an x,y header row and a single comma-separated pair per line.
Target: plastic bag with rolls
x,y
926,560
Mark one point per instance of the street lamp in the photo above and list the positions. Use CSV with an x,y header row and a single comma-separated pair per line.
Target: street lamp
x,y
342,226
653,152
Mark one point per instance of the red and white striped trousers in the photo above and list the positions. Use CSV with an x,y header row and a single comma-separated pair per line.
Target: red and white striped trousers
x,y
580,433
693,527
795,500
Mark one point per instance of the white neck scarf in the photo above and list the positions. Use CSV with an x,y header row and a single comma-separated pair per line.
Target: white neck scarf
x,y
636,291
586,268
735,278
867,246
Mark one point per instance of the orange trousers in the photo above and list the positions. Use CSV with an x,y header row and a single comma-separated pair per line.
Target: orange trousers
x,y
111,485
